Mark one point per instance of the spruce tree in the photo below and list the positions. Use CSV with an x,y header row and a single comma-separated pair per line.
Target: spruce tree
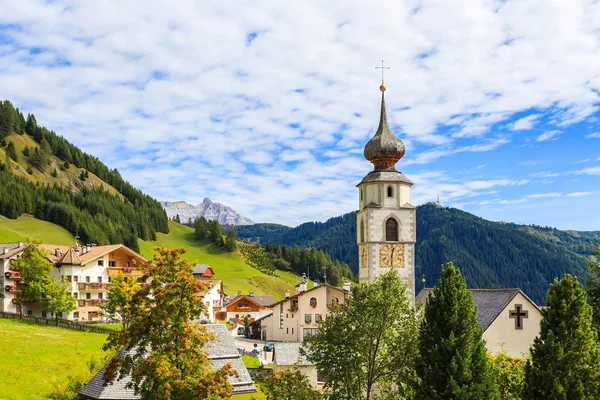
x,y
565,358
593,283
231,241
453,360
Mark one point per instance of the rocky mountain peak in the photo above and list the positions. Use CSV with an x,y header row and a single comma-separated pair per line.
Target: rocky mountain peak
x,y
207,209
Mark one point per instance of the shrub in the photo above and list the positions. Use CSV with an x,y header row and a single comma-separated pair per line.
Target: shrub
x,y
510,373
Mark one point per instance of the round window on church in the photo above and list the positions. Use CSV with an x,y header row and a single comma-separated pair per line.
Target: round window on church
x,y
313,302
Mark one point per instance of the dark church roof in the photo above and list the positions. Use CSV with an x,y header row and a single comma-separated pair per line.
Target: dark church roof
x,y
489,302
221,352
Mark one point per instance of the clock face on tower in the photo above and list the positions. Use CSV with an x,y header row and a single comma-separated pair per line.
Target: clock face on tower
x,y
391,255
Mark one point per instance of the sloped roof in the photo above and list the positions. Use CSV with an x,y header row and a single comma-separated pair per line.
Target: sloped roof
x,y
79,258
489,302
221,351
323,285
13,249
201,269
289,354
263,301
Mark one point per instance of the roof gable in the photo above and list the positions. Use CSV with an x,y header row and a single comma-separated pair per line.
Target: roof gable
x,y
488,302
323,285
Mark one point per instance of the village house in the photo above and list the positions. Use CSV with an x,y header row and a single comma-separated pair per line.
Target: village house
x,y
87,271
213,299
203,271
509,319
299,315
250,305
286,356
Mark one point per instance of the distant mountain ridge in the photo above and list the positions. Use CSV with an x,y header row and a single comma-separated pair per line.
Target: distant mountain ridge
x,y
489,254
207,209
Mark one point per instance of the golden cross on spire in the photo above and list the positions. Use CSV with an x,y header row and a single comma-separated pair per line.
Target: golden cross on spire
x,y
382,68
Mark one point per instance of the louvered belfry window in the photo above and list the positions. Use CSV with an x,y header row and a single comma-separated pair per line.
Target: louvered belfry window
x,y
391,230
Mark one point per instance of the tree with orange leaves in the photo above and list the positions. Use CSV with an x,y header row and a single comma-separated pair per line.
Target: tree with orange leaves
x,y
161,347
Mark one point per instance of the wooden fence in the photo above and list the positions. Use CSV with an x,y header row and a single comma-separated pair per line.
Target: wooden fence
x,y
58,322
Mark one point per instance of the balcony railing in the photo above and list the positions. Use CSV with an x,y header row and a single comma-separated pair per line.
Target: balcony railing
x,y
92,285
12,275
90,302
11,288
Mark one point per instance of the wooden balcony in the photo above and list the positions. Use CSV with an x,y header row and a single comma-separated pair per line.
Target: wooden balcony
x,y
92,286
89,302
12,275
11,288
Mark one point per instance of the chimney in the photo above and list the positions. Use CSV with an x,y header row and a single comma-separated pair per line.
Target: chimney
x,y
56,252
20,244
5,250
251,293
76,249
287,294
346,286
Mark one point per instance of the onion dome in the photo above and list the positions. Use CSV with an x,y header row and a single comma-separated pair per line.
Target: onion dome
x,y
384,149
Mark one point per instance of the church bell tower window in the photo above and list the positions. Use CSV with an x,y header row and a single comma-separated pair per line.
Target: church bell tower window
x,y
390,191
391,230
362,231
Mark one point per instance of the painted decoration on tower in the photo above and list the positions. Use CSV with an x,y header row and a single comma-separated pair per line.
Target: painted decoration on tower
x,y
391,255
363,261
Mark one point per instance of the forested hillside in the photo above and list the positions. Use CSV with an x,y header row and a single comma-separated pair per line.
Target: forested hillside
x,y
42,174
490,254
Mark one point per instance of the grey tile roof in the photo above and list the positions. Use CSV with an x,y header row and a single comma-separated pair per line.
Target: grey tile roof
x,y
200,269
489,302
221,352
385,176
289,354
13,248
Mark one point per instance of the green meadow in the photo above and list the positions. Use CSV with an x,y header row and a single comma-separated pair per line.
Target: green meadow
x,y
29,228
229,267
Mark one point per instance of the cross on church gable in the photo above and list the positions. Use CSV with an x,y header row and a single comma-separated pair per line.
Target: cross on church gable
x,y
518,314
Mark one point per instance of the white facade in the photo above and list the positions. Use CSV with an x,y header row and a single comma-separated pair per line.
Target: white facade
x,y
213,299
379,202
504,334
300,315
8,278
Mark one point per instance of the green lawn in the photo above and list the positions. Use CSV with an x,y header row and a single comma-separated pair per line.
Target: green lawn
x,y
229,267
258,395
34,357
29,228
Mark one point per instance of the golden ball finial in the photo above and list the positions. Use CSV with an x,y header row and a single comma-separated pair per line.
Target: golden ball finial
x,y
382,87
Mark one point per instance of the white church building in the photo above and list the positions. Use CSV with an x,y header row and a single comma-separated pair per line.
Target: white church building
x,y
386,237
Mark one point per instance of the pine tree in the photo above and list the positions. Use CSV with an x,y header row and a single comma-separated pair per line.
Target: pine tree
x,y
11,151
453,360
565,358
231,241
593,283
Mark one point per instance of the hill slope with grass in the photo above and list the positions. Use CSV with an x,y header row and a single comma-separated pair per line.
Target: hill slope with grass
x,y
229,267
232,268
44,175
27,228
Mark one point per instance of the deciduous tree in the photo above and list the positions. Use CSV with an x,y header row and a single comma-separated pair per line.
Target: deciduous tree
x,y
289,385
453,360
162,349
37,285
565,358
368,342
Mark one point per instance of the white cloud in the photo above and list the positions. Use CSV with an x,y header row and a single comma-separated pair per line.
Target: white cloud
x,y
267,107
550,135
595,135
524,123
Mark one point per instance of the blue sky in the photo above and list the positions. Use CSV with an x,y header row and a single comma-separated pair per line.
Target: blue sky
x,y
266,108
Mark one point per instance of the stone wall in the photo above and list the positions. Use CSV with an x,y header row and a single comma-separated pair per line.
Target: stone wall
x,y
259,374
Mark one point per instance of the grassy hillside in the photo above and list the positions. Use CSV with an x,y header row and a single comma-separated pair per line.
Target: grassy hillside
x,y
35,357
67,178
29,228
230,267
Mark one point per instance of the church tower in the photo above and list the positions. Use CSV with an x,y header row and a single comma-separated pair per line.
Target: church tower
x,y
386,218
